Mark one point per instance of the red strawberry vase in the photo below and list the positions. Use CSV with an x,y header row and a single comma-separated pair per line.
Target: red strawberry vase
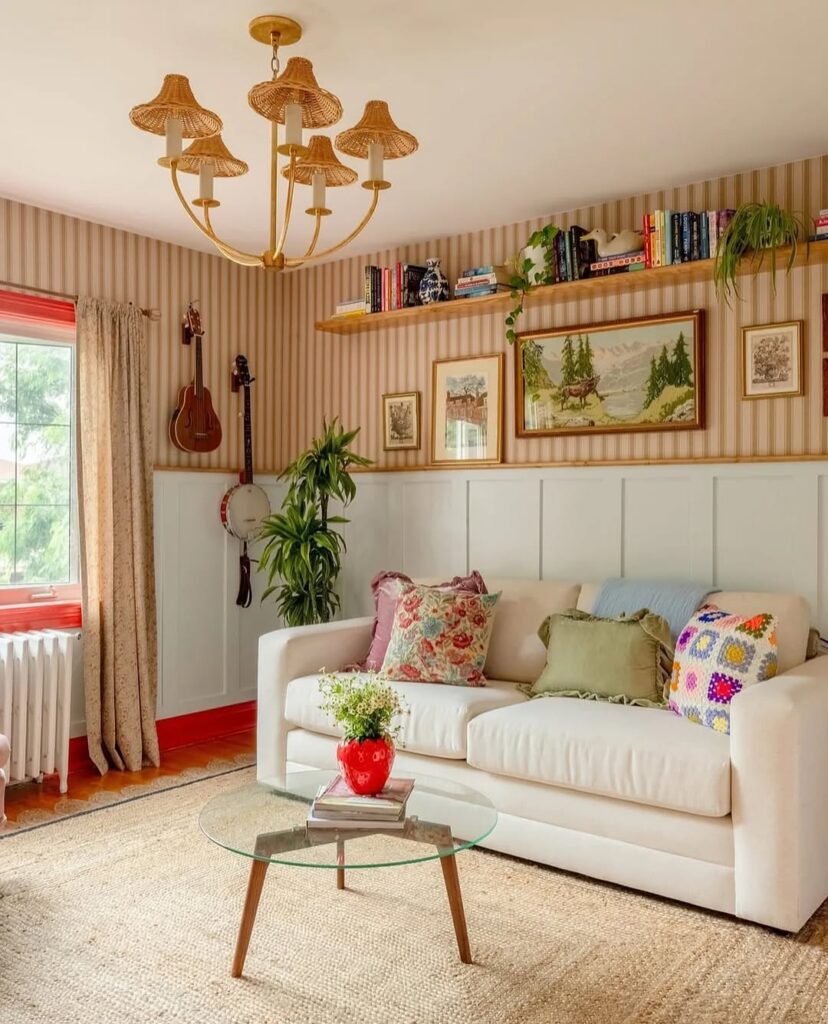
x,y
366,764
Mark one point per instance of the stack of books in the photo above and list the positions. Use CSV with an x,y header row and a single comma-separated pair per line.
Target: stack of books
x,y
671,237
572,258
396,287
820,227
485,280
337,806
350,308
620,264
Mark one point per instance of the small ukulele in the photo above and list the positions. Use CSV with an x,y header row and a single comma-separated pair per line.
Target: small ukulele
x,y
194,426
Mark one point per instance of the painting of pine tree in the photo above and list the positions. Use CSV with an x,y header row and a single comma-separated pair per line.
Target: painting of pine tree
x,y
642,374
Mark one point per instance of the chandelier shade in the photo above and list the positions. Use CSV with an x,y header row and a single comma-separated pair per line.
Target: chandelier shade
x,y
296,84
176,100
376,127
321,159
213,152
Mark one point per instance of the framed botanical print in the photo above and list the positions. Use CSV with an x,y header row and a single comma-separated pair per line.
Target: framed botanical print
x,y
773,360
467,410
645,373
401,421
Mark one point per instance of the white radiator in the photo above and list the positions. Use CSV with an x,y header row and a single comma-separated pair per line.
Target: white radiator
x,y
35,693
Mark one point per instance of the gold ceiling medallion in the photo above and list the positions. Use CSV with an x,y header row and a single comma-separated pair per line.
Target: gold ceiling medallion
x,y
292,98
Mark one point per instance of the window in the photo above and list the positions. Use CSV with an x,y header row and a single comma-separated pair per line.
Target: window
x,y
38,533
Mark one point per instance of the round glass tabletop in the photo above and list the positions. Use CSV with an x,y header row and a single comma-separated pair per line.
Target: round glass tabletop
x,y
268,822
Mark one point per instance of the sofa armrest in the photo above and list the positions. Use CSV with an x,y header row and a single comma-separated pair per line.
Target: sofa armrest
x,y
287,654
779,773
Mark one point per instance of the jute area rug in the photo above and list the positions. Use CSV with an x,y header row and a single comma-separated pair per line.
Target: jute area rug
x,y
129,915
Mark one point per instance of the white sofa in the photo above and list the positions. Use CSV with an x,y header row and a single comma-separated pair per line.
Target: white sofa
x,y
635,796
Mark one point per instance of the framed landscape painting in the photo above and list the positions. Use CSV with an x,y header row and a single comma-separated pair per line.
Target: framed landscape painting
x,y
467,410
645,373
401,421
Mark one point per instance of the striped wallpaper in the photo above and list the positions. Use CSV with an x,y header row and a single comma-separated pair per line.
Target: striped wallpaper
x,y
303,375
49,250
329,374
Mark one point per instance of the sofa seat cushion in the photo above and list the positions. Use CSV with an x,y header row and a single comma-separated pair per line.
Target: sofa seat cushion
x,y
438,717
646,755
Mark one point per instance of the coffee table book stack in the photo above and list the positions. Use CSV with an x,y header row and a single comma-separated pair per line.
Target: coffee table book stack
x,y
337,807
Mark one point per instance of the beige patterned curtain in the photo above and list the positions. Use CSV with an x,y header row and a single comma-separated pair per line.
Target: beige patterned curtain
x,y
116,536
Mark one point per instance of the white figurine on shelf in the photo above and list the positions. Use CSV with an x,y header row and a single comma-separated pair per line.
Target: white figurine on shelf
x,y
624,242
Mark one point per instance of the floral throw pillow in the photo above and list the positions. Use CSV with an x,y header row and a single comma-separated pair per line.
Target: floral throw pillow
x,y
440,637
717,656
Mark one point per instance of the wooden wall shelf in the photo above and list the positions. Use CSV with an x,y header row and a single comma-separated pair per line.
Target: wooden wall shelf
x,y
502,302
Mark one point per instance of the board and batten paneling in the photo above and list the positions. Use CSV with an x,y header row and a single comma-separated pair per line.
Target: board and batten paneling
x,y
757,526
42,249
346,375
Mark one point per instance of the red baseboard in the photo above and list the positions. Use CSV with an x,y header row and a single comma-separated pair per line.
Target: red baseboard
x,y
182,731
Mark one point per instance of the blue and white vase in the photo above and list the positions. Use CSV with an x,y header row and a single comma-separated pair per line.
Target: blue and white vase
x,y
434,286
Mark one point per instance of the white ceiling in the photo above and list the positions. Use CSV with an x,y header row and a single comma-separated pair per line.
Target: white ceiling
x,y
521,108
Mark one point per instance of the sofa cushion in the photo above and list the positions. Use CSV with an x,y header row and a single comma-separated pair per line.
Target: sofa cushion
x,y
646,755
790,611
438,716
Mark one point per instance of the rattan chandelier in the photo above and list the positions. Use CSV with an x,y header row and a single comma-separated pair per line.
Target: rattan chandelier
x,y
292,98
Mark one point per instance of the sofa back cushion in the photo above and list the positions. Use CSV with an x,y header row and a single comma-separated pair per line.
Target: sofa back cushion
x,y
515,649
790,611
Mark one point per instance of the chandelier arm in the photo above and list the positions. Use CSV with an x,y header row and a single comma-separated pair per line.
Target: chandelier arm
x,y
274,182
315,239
288,204
349,238
205,229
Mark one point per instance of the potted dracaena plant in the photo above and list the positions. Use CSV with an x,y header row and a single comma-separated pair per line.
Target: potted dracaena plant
x,y
365,710
756,229
302,555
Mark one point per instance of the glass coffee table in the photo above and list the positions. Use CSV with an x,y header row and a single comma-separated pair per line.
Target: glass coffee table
x,y
267,823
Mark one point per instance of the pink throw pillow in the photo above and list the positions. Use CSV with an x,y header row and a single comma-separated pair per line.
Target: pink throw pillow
x,y
387,586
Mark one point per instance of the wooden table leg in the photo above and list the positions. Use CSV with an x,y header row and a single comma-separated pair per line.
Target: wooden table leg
x,y
455,898
340,859
258,870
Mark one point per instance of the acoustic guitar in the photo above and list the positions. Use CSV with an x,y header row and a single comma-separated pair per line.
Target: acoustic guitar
x,y
194,426
245,506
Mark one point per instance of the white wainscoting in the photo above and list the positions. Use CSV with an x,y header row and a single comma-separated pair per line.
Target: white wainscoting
x,y
761,526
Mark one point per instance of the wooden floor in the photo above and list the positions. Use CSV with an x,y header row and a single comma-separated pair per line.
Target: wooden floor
x,y
83,784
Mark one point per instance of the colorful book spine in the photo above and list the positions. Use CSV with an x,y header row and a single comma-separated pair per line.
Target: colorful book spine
x,y
645,231
704,237
712,231
675,236
685,235
657,238
622,260
695,239
560,256
568,256
667,236
472,293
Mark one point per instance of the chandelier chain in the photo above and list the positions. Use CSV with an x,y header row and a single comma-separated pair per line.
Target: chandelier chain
x,y
274,60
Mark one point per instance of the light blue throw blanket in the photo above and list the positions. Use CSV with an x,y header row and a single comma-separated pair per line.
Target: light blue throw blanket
x,y
675,602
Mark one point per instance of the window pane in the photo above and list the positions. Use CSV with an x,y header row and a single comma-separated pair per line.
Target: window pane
x,y
7,464
42,545
8,382
43,455
44,383
6,543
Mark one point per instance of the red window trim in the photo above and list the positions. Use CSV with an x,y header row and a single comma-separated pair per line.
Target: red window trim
x,y
36,309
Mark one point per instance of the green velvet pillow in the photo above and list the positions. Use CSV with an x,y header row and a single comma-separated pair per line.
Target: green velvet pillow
x,y
624,660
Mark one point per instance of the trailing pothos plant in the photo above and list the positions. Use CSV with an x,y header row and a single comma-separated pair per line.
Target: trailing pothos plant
x,y
302,556
755,229
529,274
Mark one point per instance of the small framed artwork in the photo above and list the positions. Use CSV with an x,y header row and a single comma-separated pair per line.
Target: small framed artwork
x,y
645,373
773,363
467,410
401,421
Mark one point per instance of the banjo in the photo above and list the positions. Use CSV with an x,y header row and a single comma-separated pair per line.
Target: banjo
x,y
245,506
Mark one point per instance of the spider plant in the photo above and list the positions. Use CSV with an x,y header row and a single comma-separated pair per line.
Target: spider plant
x,y
755,230
302,556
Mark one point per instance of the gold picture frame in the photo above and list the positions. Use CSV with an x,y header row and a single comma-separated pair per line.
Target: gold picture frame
x,y
401,421
616,376
467,410
773,360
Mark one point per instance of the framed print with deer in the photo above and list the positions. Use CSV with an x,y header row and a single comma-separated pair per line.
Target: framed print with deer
x,y
645,373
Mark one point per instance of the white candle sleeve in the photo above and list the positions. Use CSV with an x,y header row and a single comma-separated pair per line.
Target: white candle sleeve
x,y
174,129
205,181
375,155
293,124
319,191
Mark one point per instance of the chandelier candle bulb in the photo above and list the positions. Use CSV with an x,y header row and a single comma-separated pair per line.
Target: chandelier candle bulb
x,y
205,181
173,137
319,191
293,124
375,155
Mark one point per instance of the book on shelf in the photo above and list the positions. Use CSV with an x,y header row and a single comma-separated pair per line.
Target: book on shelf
x,y
623,259
337,806
672,236
390,288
